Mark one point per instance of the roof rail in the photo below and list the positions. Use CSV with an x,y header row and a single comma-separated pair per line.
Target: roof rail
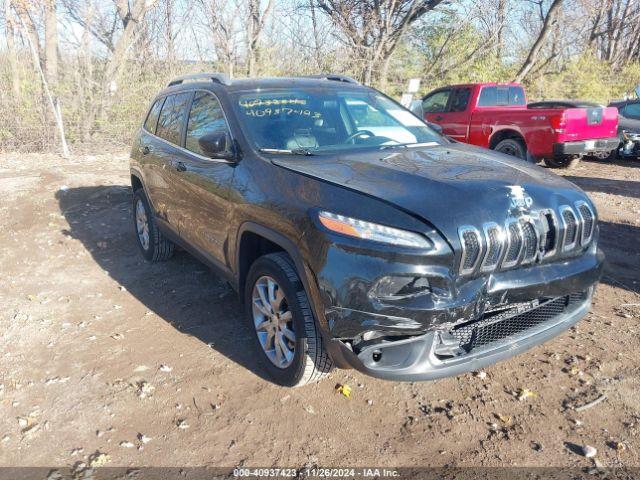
x,y
335,78
213,76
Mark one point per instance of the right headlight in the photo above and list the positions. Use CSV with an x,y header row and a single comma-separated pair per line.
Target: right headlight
x,y
356,228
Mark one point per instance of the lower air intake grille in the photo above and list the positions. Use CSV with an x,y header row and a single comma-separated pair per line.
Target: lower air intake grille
x,y
512,320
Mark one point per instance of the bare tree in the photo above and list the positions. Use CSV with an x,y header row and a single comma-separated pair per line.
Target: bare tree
x,y
373,28
51,43
256,18
534,52
11,48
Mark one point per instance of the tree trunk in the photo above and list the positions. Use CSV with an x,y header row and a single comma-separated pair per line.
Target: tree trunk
x,y
51,43
11,49
552,14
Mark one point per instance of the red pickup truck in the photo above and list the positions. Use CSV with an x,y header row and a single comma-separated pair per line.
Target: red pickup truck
x,y
497,116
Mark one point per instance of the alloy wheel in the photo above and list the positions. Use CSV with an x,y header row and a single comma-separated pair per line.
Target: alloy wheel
x,y
273,322
142,225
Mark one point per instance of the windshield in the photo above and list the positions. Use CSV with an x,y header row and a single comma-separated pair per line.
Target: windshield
x,y
326,120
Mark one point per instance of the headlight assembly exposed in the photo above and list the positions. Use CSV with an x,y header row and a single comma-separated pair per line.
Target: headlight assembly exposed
x,y
353,227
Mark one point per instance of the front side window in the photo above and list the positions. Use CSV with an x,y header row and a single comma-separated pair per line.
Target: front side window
x,y
436,102
152,119
205,118
320,120
171,118
460,99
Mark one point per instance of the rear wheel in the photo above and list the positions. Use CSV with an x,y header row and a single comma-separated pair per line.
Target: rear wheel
x,y
155,247
514,147
606,156
567,162
278,312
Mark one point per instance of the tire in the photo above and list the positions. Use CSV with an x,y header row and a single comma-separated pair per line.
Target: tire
x,y
569,162
157,248
514,147
309,361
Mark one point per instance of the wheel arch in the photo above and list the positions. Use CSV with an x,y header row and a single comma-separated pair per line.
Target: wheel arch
x,y
503,134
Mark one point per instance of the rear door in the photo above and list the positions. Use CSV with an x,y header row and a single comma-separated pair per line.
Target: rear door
x,y
206,184
162,154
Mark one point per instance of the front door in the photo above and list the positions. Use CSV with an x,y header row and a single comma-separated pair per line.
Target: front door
x,y
206,184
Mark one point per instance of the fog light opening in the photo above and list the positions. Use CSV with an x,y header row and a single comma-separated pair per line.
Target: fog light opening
x,y
376,356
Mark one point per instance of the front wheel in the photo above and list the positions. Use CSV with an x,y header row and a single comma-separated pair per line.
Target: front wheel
x,y
286,334
568,162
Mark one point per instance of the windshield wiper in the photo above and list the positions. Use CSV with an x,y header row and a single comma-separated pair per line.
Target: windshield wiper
x,y
294,151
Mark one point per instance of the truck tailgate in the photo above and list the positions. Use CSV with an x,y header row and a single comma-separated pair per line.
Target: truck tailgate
x,y
587,123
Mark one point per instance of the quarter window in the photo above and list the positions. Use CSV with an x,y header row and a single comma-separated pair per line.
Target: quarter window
x,y
171,118
206,117
436,102
152,119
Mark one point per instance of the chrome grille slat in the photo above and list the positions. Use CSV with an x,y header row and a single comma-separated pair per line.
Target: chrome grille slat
x,y
570,228
515,244
530,241
494,240
587,219
472,249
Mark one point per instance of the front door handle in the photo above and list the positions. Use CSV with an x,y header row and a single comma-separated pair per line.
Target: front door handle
x,y
439,117
181,167
145,150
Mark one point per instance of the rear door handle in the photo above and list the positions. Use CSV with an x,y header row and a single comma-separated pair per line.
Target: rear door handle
x,y
180,166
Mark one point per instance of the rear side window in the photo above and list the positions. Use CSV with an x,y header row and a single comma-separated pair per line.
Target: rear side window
x,y
171,118
460,99
436,102
501,96
152,119
205,117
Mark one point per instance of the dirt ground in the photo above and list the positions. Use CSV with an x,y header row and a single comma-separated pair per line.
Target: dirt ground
x,y
152,365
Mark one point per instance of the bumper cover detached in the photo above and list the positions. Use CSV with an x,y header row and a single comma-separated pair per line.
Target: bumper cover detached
x,y
586,146
444,353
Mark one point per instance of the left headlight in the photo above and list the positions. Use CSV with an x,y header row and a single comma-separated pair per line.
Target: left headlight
x,y
353,227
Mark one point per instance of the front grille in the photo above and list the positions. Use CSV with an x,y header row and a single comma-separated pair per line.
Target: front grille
x,y
539,235
512,320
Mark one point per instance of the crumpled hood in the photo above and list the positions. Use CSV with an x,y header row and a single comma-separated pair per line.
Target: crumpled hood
x,y
445,185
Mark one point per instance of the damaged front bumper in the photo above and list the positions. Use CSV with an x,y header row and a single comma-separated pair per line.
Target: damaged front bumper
x,y
430,356
453,326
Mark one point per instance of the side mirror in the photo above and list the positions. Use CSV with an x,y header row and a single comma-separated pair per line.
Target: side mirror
x,y
416,109
637,90
216,145
436,127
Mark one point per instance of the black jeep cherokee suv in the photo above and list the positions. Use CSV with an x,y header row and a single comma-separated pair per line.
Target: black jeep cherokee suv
x,y
356,235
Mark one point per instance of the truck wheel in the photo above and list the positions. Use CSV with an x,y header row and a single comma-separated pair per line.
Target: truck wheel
x,y
286,334
513,147
155,247
568,162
